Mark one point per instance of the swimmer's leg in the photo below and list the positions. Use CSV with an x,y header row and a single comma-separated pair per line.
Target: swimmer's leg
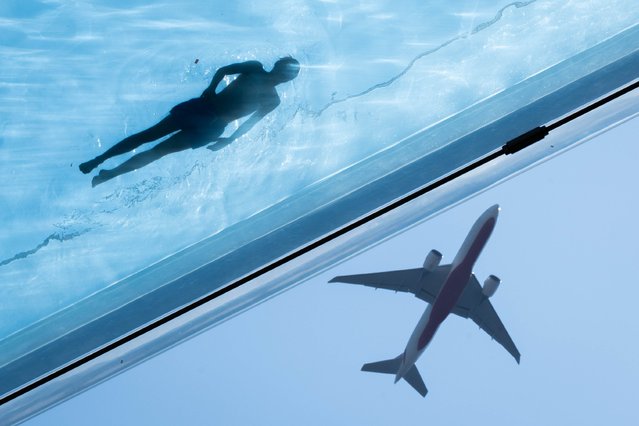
x,y
178,142
166,126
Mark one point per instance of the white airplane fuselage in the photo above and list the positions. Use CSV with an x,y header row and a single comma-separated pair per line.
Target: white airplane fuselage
x,y
451,290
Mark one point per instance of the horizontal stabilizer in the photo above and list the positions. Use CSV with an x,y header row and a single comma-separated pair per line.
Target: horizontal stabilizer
x,y
415,380
389,366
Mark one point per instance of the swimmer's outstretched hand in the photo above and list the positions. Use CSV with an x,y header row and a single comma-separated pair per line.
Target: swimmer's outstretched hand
x,y
219,144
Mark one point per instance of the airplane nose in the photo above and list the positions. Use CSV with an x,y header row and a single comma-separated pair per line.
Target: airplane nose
x,y
492,211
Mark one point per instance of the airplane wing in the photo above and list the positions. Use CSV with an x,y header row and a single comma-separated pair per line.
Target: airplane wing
x,y
426,285
423,284
484,315
405,280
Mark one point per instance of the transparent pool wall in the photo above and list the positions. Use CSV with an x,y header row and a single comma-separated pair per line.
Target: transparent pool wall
x,y
284,278
366,104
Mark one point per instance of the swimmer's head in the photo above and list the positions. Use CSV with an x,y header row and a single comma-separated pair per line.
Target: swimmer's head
x,y
285,69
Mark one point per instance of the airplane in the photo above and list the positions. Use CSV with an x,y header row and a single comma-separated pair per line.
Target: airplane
x,y
446,288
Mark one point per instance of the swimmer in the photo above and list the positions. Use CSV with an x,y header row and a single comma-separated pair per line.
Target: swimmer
x,y
199,121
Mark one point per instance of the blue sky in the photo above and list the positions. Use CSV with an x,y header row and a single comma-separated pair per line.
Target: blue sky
x,y
565,248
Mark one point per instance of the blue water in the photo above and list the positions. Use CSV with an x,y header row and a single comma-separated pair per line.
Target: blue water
x,y
76,77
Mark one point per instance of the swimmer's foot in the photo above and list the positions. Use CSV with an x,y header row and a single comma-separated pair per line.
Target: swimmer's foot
x,y
89,165
102,177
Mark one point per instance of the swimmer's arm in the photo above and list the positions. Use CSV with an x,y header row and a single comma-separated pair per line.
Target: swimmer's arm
x,y
244,127
253,120
239,68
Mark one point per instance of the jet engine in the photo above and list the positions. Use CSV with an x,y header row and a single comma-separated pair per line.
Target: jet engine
x,y
432,260
490,285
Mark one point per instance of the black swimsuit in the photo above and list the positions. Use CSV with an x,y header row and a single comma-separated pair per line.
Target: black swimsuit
x,y
198,116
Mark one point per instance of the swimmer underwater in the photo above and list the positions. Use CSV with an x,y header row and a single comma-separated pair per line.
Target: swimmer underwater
x,y
199,121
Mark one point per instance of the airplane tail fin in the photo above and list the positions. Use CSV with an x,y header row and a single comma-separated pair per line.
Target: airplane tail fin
x,y
415,380
391,366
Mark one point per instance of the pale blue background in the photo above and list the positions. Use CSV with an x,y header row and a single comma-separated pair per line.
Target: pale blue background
x,y
566,250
